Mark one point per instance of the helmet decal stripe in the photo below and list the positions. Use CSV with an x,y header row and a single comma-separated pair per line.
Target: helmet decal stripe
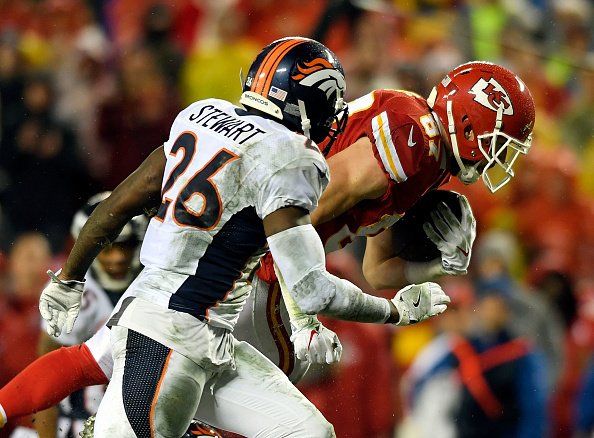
x,y
273,66
266,71
260,76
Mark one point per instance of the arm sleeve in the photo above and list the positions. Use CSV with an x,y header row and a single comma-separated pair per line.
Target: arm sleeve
x,y
296,315
49,379
299,255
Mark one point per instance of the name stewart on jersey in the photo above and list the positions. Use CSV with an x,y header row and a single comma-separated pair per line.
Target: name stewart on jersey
x,y
219,121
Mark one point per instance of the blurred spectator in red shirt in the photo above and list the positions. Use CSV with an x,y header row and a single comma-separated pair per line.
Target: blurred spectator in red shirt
x,y
28,260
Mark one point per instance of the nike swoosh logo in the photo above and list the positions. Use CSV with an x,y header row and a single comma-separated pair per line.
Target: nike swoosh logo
x,y
411,143
463,252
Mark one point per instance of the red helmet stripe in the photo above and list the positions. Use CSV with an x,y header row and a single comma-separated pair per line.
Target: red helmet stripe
x,y
265,73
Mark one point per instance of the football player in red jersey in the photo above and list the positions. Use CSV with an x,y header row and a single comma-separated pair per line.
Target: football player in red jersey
x,y
396,147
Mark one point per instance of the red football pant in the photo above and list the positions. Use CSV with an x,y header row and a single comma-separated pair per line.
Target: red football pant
x,y
50,379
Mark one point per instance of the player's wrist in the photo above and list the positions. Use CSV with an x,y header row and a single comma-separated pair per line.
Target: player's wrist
x,y
394,317
304,322
62,277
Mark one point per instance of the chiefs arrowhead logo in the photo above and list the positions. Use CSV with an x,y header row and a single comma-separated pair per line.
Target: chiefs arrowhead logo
x,y
492,95
321,74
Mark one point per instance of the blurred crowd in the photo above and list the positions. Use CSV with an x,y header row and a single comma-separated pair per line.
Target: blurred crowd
x,y
89,88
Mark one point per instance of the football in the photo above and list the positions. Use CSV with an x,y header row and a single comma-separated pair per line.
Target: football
x,y
409,240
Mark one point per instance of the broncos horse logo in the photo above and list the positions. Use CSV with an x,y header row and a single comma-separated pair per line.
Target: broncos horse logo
x,y
321,74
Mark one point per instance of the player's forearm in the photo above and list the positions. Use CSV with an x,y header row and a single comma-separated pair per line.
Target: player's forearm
x,y
388,274
136,194
380,267
383,270
395,273
314,289
99,230
351,304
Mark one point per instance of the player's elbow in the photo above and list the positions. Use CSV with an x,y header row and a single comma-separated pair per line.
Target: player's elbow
x,y
311,303
313,292
373,277
310,307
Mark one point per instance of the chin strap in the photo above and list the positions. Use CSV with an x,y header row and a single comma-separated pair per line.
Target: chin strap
x,y
305,122
469,175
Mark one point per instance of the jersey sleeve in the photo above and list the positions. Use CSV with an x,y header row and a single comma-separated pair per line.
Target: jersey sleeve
x,y
297,183
398,143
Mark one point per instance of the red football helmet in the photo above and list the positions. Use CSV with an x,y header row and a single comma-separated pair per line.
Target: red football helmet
x,y
489,115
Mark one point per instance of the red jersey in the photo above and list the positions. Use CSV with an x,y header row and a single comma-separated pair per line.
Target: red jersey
x,y
408,147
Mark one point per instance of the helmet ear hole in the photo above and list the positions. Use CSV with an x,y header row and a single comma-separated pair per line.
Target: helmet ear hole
x,y
468,132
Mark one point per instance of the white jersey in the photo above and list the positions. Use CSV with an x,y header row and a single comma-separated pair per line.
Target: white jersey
x,y
226,170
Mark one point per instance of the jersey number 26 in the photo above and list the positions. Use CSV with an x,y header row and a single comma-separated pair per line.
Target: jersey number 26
x,y
199,184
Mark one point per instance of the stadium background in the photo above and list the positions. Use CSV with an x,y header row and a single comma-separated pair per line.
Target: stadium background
x,y
89,88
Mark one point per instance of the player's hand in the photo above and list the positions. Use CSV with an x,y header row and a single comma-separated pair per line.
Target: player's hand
x,y
418,302
314,342
59,304
452,237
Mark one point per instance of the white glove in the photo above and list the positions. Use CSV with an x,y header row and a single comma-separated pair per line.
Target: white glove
x,y
453,238
418,302
59,303
314,342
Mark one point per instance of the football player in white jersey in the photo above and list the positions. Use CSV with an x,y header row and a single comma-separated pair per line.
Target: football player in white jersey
x,y
105,282
230,181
